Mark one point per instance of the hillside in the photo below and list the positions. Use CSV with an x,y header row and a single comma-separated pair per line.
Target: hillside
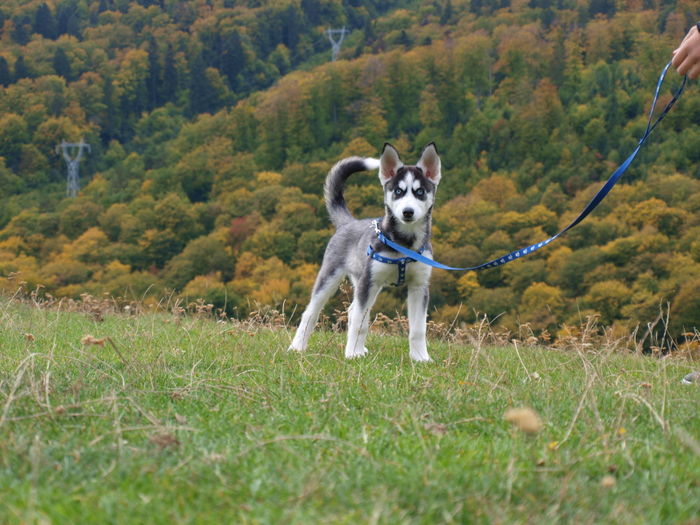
x,y
213,124
169,418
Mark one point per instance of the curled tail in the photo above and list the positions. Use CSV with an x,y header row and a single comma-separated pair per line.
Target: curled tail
x,y
335,184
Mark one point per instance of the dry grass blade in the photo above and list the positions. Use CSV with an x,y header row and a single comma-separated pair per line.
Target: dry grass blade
x,y
591,379
19,374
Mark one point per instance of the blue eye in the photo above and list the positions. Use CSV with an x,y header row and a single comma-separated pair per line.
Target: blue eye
x,y
419,191
398,191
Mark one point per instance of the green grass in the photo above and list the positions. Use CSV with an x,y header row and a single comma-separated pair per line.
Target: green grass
x,y
205,422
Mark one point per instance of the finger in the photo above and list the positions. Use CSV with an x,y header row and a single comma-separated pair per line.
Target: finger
x,y
694,72
679,57
685,66
689,34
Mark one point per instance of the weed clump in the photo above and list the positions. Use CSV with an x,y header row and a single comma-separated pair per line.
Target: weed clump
x,y
524,419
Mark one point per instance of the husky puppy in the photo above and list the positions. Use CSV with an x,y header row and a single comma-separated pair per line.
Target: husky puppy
x,y
409,195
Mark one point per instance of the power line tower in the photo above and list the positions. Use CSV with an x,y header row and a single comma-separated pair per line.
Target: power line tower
x,y
68,150
336,45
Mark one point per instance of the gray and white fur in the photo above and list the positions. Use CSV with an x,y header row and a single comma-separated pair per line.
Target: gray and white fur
x,y
409,196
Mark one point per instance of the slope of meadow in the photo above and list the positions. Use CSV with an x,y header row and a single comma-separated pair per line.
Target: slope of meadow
x,y
178,418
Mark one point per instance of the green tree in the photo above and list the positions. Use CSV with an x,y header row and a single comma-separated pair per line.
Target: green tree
x,y
22,32
155,86
14,133
607,298
175,214
201,92
61,64
233,59
201,256
5,74
170,75
541,305
44,22
79,216
447,13
685,310
9,182
21,70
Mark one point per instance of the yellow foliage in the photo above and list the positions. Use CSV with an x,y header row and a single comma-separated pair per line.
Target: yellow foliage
x,y
363,200
96,189
21,263
86,247
236,200
496,189
133,70
272,292
113,270
540,296
557,259
202,285
222,235
245,265
307,274
26,269
271,268
608,298
372,124
467,284
429,108
13,245
268,178
599,37
243,287
53,130
62,270
359,147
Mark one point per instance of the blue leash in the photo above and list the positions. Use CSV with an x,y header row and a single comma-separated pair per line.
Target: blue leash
x,y
499,261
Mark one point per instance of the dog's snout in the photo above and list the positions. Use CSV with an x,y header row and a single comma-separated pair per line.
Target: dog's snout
x,y
408,213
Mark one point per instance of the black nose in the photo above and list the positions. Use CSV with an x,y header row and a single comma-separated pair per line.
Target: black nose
x,y
408,213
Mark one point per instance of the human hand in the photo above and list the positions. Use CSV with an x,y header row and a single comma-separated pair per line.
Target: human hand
x,y
686,59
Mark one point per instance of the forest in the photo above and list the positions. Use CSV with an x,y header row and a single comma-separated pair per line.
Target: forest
x,y
213,123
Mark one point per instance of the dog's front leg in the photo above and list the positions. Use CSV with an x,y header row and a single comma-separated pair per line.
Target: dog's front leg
x,y
417,311
327,283
366,293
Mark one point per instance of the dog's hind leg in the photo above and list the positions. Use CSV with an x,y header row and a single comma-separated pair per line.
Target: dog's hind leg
x,y
417,310
366,293
326,284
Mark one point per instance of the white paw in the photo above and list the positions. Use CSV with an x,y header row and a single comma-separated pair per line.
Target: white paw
x,y
421,357
352,354
292,348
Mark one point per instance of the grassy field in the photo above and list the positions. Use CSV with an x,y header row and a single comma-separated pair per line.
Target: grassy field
x,y
175,419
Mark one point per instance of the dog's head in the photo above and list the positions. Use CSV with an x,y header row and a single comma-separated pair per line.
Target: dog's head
x,y
409,191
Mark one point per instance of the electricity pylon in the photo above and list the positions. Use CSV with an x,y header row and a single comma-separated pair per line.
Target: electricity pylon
x,y
73,184
336,45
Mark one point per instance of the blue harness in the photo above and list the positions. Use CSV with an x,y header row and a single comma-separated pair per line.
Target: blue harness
x,y
513,256
402,262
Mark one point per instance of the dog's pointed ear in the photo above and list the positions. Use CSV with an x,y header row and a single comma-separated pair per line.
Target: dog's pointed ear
x,y
429,162
389,163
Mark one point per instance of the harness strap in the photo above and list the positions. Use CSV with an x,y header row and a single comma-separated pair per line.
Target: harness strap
x,y
402,262
499,261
